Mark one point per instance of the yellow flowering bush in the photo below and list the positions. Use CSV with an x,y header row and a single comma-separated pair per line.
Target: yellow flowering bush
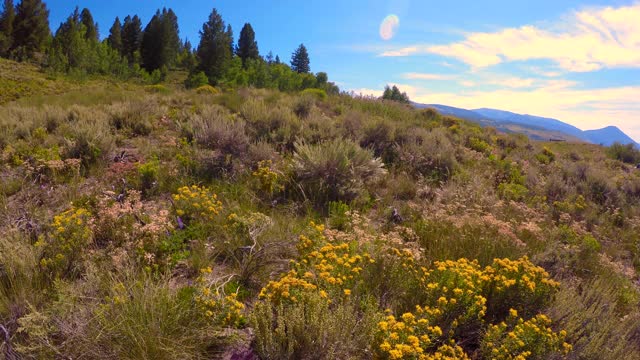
x,y
414,337
332,268
517,339
454,301
517,284
72,232
459,298
268,180
221,309
196,203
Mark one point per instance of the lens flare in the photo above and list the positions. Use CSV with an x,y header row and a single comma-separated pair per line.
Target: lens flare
x,y
389,27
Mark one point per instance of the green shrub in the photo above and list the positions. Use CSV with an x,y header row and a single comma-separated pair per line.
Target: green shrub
x,y
318,94
196,80
148,175
334,170
479,145
546,156
511,191
626,153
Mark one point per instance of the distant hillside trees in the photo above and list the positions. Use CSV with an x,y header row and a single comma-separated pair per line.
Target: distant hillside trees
x,y
128,50
30,29
247,45
300,60
160,41
394,94
6,27
214,51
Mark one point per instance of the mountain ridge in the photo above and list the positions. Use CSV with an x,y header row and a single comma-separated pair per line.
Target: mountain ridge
x,y
536,127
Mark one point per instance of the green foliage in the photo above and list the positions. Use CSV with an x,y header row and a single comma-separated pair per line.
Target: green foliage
x,y
318,94
626,153
479,145
394,94
546,156
513,191
196,79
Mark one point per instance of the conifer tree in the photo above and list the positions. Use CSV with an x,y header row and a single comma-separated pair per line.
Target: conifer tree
x,y
91,28
247,46
278,60
6,27
269,58
131,36
300,60
115,36
160,41
214,50
230,36
394,94
30,28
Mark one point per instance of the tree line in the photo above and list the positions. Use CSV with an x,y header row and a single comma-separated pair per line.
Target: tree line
x,y
130,50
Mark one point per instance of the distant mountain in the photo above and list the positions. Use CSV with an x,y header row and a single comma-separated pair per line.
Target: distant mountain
x,y
608,135
547,123
536,127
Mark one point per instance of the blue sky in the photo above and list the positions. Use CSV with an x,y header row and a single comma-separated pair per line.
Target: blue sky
x,y
572,60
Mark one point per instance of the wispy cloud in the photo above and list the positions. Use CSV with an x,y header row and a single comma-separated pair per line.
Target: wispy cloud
x,y
587,40
427,76
485,78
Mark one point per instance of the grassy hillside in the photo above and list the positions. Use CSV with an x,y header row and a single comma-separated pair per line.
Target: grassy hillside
x,y
154,222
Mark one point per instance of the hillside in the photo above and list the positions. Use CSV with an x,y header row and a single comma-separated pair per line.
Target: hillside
x,y
164,223
535,127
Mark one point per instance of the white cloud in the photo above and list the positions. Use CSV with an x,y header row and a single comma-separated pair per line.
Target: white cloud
x,y
585,41
427,76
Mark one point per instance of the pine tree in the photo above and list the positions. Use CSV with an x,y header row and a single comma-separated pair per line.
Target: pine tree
x,y
247,46
30,28
131,36
230,36
91,32
214,51
6,27
269,58
394,94
300,60
115,36
160,41
278,60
